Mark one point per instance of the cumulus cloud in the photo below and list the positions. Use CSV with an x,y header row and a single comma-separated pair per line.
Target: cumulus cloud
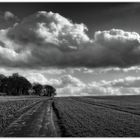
x,y
33,76
76,87
47,39
36,78
67,80
48,28
70,85
121,47
124,86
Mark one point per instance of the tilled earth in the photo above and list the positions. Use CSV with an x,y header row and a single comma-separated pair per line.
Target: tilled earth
x,y
37,121
77,117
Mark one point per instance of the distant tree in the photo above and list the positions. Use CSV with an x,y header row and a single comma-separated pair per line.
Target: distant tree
x,y
50,91
15,85
3,78
19,85
37,88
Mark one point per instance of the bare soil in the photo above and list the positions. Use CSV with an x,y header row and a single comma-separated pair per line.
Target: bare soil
x,y
37,121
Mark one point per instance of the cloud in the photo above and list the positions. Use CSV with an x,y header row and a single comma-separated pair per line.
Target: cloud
x,y
131,69
127,82
81,69
69,85
8,15
47,39
53,71
125,86
7,19
76,87
67,80
33,76
70,80
50,29
134,69
121,47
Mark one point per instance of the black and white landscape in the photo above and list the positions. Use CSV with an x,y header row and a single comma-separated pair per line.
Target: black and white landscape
x,y
69,69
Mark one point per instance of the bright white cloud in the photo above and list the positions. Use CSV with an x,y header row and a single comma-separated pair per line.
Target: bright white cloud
x,y
48,28
36,78
132,69
116,35
69,80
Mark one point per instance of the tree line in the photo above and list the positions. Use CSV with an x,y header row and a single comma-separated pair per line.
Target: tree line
x,y
19,85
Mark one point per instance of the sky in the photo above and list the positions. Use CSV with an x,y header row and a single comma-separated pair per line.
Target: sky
x,y
79,48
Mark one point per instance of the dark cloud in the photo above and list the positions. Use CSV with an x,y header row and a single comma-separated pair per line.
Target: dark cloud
x,y
7,19
47,39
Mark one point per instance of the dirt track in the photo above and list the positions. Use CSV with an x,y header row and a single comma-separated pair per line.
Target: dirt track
x,y
35,122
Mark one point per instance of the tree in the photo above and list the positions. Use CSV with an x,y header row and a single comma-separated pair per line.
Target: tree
x,y
50,91
37,88
19,85
3,79
15,85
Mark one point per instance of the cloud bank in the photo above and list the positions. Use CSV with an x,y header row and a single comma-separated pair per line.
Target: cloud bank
x,y
69,85
47,39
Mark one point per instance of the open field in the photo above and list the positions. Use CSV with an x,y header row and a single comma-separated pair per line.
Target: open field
x,y
98,116
117,116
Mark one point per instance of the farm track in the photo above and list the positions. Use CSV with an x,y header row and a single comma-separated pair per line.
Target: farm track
x,y
25,109
109,106
35,121
59,123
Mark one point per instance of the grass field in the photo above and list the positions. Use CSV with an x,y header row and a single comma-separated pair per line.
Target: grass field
x,y
110,116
